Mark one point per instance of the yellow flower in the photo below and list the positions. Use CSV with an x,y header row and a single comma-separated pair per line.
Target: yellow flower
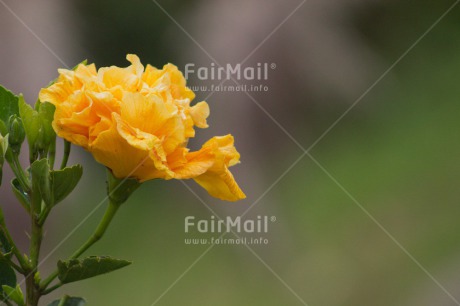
x,y
137,122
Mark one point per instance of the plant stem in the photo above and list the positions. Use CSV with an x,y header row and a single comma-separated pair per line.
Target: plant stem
x,y
15,165
35,242
37,230
44,214
110,212
32,290
63,300
65,157
52,153
52,288
32,286
112,209
46,282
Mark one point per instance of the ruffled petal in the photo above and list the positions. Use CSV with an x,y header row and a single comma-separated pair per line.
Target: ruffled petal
x,y
209,168
168,79
191,165
123,154
128,78
148,114
199,113
56,93
178,83
160,121
221,185
136,67
73,134
147,142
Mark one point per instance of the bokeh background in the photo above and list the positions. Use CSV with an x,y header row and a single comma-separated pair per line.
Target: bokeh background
x,y
377,225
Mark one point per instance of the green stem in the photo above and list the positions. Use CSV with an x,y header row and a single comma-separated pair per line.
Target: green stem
x,y
35,242
52,153
44,215
32,286
46,282
37,230
32,290
100,230
51,289
15,165
64,300
65,158
110,212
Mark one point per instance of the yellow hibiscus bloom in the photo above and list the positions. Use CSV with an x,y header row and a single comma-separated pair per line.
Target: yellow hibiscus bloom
x,y
137,122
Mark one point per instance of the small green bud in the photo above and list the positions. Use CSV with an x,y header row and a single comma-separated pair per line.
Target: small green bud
x,y
3,148
37,277
41,144
16,133
46,134
3,144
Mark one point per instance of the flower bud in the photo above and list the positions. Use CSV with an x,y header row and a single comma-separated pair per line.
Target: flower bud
x,y
3,148
41,144
45,135
16,134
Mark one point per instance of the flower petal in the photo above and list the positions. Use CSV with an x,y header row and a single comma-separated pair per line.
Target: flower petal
x,y
168,79
128,78
199,113
145,113
221,185
209,168
120,155
191,165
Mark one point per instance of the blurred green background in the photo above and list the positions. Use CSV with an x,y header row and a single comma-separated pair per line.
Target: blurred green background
x,y
395,154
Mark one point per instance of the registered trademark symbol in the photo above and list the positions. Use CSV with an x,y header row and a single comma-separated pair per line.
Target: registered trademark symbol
x,y
273,66
272,218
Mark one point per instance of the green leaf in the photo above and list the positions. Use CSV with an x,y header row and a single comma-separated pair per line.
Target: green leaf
x,y
76,270
84,62
31,121
69,301
65,181
55,186
7,275
20,194
41,180
14,294
8,104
